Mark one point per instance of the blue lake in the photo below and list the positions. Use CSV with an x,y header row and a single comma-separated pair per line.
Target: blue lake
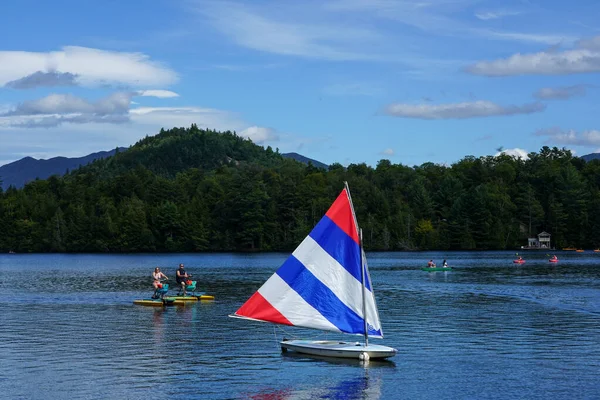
x,y
488,329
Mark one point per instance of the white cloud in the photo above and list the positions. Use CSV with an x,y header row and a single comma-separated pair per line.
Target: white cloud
x,y
278,34
588,138
163,94
584,58
388,152
474,109
439,17
168,117
90,66
516,152
548,39
562,93
56,109
42,137
259,134
208,118
427,16
487,15
66,104
43,79
590,43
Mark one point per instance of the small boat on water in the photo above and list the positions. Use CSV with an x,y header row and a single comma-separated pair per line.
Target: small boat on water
x,y
553,260
324,285
569,248
579,250
597,250
162,299
519,261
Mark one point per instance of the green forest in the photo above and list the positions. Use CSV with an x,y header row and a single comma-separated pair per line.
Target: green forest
x,y
194,190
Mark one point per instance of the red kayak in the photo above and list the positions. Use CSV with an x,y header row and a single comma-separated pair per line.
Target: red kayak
x,y
519,261
553,260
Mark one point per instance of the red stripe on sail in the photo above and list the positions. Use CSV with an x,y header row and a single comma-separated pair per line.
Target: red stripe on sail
x,y
257,307
341,214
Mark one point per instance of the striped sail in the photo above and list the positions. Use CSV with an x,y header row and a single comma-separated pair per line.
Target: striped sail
x,y
319,285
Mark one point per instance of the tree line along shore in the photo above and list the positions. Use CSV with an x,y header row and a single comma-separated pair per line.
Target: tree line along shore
x,y
195,190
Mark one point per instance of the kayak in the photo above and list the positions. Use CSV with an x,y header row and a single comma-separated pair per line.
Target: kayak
x,y
154,302
553,260
433,269
519,261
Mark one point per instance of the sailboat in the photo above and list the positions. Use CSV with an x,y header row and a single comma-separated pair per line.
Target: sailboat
x,y
325,285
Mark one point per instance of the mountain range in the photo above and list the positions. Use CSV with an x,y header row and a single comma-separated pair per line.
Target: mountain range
x,y
27,169
592,156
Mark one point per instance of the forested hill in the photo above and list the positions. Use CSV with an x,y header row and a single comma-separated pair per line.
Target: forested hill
x,y
178,150
198,190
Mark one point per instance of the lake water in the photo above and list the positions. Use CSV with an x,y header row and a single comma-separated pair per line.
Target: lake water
x,y
489,329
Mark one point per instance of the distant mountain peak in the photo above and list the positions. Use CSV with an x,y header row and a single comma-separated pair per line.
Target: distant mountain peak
x,y
305,160
591,156
28,169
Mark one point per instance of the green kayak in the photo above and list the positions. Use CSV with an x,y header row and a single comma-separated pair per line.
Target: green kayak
x,y
433,269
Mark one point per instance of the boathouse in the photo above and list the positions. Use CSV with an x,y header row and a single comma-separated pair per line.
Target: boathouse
x,y
542,241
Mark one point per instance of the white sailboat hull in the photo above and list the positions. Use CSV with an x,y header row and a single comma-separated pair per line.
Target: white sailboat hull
x,y
330,348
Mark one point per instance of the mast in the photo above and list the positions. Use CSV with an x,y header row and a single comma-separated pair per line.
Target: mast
x,y
362,266
362,277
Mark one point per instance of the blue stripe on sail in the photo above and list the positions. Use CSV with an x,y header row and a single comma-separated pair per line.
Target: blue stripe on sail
x,y
320,297
339,246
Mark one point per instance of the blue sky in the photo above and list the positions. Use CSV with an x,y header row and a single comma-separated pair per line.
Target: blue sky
x,y
345,81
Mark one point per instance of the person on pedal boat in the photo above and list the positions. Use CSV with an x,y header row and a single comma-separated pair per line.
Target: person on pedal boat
x,y
157,275
181,277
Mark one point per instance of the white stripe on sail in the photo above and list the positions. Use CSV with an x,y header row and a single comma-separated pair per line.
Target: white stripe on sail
x,y
333,275
292,306
372,313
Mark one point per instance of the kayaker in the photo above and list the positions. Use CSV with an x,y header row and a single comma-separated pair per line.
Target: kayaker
x,y
445,264
181,277
431,264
